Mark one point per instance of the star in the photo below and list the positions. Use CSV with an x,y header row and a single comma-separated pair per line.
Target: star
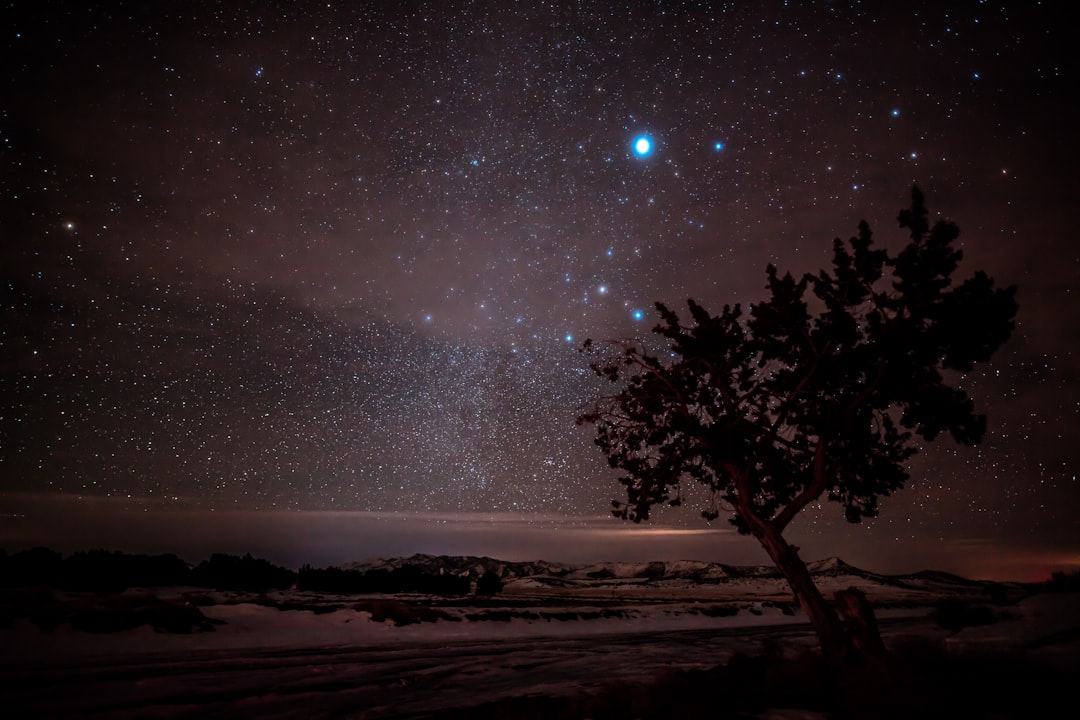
x,y
643,145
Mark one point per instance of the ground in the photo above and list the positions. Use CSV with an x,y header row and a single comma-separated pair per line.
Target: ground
x,y
611,647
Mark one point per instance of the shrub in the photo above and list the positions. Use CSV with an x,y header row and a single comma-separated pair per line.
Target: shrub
x,y
489,584
955,615
228,572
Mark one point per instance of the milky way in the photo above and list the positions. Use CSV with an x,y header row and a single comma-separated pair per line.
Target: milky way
x,y
342,256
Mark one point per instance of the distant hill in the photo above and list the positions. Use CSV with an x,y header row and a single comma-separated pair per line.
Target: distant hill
x,y
699,579
447,575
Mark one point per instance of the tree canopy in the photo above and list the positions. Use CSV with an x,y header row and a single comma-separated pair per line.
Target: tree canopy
x,y
820,390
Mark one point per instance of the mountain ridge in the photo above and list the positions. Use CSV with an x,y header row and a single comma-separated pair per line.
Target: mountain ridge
x,y
691,571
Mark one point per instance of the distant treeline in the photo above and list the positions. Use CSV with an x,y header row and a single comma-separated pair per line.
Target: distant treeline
x,y
105,571
1064,582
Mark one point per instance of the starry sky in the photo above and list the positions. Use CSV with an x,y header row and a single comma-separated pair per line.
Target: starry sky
x,y
265,265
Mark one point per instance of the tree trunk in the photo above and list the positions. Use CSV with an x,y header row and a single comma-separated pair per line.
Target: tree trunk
x,y
848,634
860,625
827,624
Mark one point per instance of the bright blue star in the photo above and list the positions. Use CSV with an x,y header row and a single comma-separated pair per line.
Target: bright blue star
x,y
637,315
718,146
569,337
896,113
642,145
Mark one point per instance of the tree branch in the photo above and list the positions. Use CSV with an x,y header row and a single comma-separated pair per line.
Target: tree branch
x,y
809,493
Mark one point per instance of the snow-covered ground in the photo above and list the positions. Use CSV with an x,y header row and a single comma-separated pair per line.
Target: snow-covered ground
x,y
294,663
337,659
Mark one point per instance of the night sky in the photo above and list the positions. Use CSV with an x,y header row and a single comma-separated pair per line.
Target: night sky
x,y
263,261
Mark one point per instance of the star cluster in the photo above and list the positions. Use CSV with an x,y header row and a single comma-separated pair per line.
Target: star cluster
x,y
341,256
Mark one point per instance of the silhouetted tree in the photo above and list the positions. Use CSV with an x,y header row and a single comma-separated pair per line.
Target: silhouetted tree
x,y
417,579
1060,581
36,566
489,583
332,580
101,570
818,391
228,572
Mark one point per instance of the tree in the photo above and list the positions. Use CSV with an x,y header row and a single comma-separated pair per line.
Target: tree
x,y
489,584
821,390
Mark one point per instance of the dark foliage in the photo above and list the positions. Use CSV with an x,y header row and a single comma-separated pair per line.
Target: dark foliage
x,y
503,615
730,610
332,580
1061,581
955,615
105,571
403,613
489,584
164,618
228,572
819,390
35,567
101,612
405,579
37,604
416,579
100,570
824,389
